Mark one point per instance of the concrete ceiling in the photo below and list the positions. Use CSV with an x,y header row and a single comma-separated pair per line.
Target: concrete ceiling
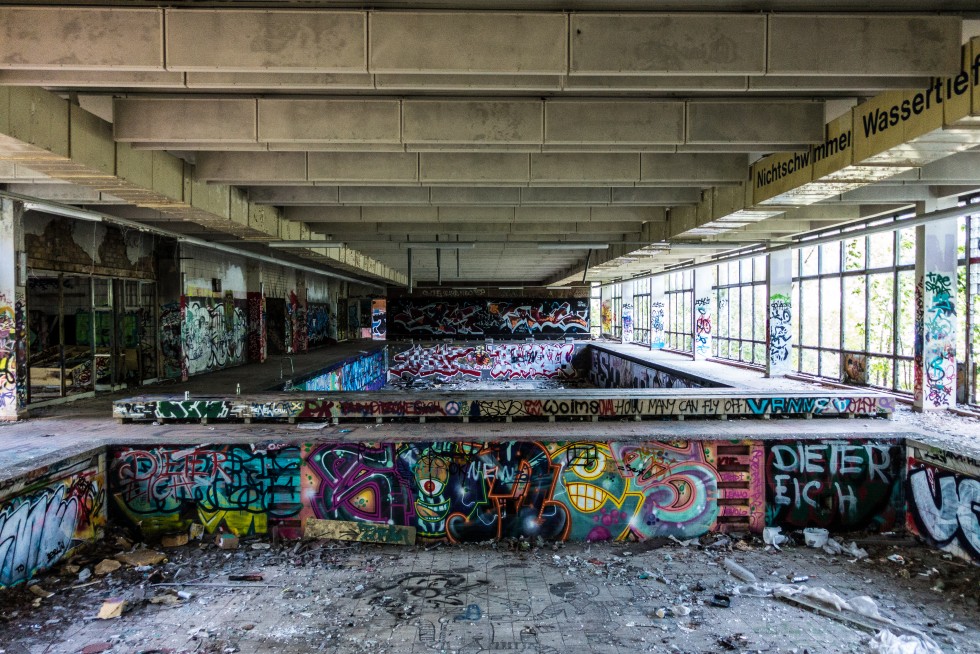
x,y
476,123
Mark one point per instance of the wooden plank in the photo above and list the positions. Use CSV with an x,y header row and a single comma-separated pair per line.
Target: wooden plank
x,y
364,532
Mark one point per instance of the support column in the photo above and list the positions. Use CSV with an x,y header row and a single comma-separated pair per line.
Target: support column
x,y
658,313
300,333
255,297
13,312
935,314
627,317
779,320
704,311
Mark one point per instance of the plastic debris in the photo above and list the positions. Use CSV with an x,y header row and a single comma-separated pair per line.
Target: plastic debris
x,y
815,537
772,536
112,608
721,601
897,558
865,606
84,575
888,643
738,571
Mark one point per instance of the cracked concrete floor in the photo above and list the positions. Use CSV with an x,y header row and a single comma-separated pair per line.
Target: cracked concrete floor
x,y
603,598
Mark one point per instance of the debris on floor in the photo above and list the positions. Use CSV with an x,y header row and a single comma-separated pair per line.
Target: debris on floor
x,y
718,593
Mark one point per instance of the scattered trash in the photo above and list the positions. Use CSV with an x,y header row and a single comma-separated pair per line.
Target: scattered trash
x,y
733,642
645,575
253,576
772,536
227,541
140,557
96,648
174,540
956,626
888,643
195,531
39,591
112,608
166,599
897,558
260,546
815,537
84,575
721,601
738,571
106,566
865,606
680,610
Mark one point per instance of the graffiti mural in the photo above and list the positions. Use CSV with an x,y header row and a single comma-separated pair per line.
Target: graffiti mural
x,y
364,373
627,322
939,345
13,356
393,405
838,485
658,326
944,500
379,319
213,334
496,362
171,320
296,319
317,325
610,370
702,326
606,317
256,327
40,527
463,492
780,330
231,488
408,318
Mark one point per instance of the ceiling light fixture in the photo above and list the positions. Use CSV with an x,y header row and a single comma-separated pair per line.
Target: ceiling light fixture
x,y
573,246
436,245
304,244
67,212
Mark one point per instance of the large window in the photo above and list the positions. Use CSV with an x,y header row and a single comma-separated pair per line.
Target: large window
x,y
679,293
641,311
741,300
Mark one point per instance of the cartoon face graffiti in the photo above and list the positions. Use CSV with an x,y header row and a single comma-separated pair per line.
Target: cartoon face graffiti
x,y
596,492
431,505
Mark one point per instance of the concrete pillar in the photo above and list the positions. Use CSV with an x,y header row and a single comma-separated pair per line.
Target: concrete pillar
x,y
255,298
935,313
627,317
300,334
13,312
704,311
780,318
658,313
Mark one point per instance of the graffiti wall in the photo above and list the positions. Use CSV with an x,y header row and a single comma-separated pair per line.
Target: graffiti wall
x,y
171,320
606,318
780,334
609,370
46,521
837,484
238,489
658,325
213,334
256,327
379,319
13,356
461,318
448,491
944,499
364,373
501,362
317,324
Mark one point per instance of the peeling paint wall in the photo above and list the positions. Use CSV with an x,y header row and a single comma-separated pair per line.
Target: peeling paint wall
x,y
46,519
72,246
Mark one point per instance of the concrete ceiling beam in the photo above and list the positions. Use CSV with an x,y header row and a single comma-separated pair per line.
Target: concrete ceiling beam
x,y
476,215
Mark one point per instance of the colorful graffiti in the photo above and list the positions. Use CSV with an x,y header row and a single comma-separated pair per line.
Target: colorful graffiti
x,y
780,334
40,527
944,500
317,325
256,327
497,362
838,484
702,327
461,491
13,357
296,315
171,320
566,404
627,322
379,319
213,334
658,326
606,317
609,370
363,373
231,488
410,318
939,347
